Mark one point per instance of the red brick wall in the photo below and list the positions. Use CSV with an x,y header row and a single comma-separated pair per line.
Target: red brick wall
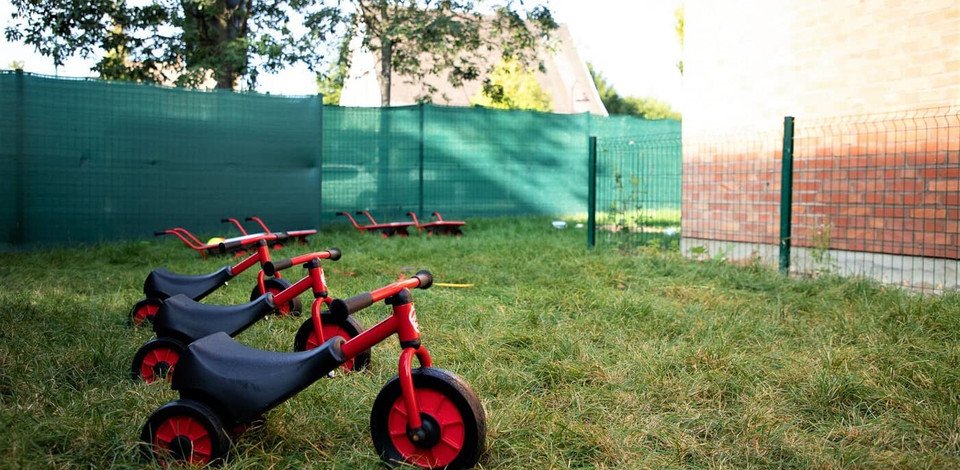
x,y
884,186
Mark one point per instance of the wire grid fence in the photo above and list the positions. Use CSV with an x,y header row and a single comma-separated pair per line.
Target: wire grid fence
x,y
731,195
879,196
638,182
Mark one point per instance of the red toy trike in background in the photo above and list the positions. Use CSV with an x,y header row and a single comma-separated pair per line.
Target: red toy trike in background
x,y
438,226
386,230
424,417
235,245
180,320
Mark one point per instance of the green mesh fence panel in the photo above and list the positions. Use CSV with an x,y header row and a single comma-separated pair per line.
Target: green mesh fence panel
x,y
461,161
90,160
638,183
371,161
104,160
488,162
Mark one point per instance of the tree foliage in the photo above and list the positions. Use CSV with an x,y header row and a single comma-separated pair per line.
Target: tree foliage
x,y
647,108
433,37
678,28
511,85
191,41
181,41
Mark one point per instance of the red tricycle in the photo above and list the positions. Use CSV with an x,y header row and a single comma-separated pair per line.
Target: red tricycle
x,y
386,230
438,226
424,417
161,284
181,320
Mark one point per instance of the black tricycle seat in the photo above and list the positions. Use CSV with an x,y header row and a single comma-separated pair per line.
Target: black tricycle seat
x,y
188,320
246,382
161,284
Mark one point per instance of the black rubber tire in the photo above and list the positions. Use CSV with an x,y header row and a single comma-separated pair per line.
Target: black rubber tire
x,y
190,444
348,329
161,352
143,312
456,400
293,307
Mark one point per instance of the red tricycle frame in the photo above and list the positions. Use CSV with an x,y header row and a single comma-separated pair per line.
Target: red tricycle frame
x,y
386,229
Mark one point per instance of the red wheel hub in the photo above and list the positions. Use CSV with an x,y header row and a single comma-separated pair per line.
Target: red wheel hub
x,y
449,424
185,439
329,331
158,364
145,312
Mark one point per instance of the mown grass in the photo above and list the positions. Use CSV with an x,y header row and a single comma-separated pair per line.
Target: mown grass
x,y
599,359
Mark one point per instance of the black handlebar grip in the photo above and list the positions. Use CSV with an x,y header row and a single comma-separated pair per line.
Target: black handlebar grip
x,y
426,279
341,213
248,219
157,234
359,212
334,253
224,221
340,308
270,268
226,246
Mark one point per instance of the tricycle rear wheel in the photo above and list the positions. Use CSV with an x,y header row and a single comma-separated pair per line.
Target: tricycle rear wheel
x,y
184,431
144,311
156,359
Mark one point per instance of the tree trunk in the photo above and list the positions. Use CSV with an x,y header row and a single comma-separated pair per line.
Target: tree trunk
x,y
386,70
209,34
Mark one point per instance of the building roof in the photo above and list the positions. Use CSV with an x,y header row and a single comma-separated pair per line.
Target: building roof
x,y
565,78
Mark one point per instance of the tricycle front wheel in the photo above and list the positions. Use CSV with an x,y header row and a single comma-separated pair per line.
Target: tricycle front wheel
x,y
454,423
275,286
348,328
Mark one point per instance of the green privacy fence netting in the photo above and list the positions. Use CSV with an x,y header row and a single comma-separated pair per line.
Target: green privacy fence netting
x,y
88,161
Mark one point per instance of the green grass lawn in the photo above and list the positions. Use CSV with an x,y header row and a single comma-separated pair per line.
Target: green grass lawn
x,y
599,359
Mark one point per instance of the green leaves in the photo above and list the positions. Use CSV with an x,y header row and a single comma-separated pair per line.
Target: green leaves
x,y
512,86
186,42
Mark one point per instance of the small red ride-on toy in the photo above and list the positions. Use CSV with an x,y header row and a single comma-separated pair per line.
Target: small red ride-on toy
x,y
386,230
215,246
179,321
424,417
438,226
161,284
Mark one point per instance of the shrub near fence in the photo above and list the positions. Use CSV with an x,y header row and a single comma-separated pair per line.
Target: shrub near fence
x,y
93,160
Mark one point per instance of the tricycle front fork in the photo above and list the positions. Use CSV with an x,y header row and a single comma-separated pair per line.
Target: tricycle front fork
x,y
318,304
406,383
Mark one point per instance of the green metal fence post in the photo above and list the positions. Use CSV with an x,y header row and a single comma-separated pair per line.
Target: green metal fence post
x,y
786,194
19,230
592,193
320,164
420,151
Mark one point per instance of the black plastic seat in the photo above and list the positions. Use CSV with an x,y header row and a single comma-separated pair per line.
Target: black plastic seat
x,y
161,284
246,382
188,320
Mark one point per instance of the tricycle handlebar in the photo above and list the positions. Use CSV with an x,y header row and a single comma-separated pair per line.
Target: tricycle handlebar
x,y
344,307
270,268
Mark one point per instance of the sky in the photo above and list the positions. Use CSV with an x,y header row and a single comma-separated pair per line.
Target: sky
x,y
631,42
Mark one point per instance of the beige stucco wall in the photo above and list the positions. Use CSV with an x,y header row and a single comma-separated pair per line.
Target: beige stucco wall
x,y
748,63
